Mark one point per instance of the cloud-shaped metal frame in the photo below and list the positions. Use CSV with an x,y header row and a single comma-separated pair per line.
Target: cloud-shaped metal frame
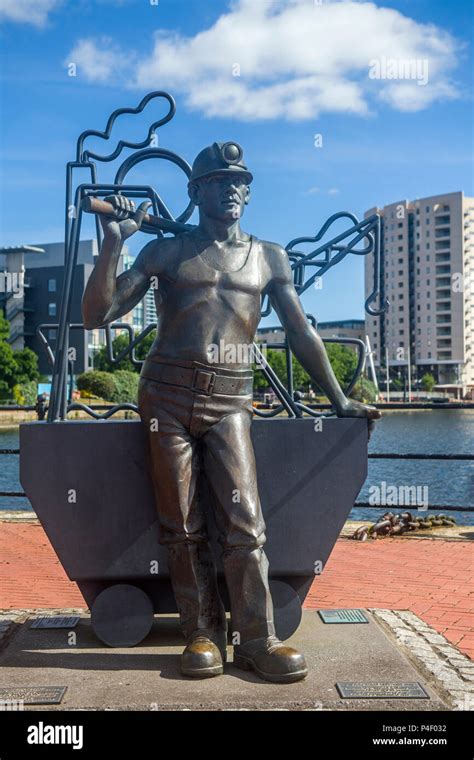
x,y
83,156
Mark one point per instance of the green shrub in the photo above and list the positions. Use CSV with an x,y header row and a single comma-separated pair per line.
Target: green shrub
x,y
120,387
100,384
126,387
364,391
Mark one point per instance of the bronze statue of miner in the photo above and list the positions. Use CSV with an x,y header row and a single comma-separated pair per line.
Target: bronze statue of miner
x,y
198,412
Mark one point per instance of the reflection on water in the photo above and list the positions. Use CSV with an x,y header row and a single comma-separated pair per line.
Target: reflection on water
x,y
9,465
443,431
440,431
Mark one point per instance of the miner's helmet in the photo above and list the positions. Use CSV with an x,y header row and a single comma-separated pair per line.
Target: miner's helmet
x,y
220,158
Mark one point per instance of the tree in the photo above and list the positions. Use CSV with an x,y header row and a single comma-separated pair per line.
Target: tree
x,y
16,367
8,369
301,379
144,347
397,383
27,365
343,361
4,327
276,360
7,362
103,364
428,382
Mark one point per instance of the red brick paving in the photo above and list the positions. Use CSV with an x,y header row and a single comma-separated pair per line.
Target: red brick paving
x,y
432,578
31,575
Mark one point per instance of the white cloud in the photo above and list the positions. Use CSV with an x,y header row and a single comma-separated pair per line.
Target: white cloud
x,y
407,97
27,11
100,60
295,60
317,191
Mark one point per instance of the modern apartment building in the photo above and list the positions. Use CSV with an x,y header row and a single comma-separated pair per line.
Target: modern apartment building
x,y
144,312
427,268
15,287
149,308
135,317
32,283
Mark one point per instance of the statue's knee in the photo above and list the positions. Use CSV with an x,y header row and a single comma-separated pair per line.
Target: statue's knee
x,y
175,539
239,540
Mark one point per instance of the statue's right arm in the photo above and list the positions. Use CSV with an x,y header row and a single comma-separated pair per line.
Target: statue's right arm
x,y
108,297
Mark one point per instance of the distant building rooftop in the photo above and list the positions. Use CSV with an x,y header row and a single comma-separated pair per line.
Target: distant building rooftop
x,y
21,249
343,323
348,323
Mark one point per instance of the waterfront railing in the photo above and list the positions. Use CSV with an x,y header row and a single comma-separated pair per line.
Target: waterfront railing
x,y
357,504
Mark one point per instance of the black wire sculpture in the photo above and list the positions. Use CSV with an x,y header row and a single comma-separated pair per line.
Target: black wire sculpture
x,y
307,267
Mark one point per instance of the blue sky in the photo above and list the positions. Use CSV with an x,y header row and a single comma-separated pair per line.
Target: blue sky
x,y
301,74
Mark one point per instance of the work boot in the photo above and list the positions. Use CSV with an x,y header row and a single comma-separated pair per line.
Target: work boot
x,y
205,654
271,660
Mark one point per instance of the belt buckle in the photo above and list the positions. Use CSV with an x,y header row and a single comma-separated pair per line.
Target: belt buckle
x,y
206,387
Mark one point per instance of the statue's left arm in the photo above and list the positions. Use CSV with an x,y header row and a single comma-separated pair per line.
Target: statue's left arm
x,y
304,340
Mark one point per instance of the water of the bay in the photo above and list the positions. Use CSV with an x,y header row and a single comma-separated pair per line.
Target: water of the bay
x,y
440,431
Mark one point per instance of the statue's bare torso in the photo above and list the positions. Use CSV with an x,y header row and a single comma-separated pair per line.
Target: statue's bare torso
x,y
209,297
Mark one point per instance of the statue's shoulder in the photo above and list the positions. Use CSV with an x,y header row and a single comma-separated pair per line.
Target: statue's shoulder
x,y
273,250
170,244
275,258
159,255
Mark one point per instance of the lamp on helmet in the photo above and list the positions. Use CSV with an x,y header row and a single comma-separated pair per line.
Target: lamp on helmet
x,y
220,158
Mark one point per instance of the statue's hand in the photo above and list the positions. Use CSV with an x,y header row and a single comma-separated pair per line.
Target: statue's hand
x,y
126,220
353,408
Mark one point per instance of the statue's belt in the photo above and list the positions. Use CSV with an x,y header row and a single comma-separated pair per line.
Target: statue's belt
x,y
206,381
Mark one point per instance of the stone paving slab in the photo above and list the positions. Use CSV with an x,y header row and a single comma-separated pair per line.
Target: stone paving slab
x,y
433,655
147,677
